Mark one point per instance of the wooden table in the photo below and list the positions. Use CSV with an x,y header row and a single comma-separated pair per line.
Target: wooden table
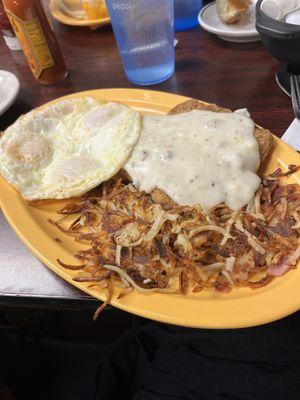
x,y
207,68
231,75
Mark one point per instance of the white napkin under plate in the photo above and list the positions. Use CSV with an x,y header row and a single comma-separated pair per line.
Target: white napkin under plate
x,y
292,135
22,274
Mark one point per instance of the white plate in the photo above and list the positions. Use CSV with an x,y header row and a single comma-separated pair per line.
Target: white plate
x,y
9,89
241,32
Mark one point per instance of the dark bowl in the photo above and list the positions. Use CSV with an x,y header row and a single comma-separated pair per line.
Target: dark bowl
x,y
281,40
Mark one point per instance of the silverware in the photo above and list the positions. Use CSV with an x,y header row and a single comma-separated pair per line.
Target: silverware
x,y
295,93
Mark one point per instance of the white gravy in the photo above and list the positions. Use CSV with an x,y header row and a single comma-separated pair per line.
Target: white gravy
x,y
199,157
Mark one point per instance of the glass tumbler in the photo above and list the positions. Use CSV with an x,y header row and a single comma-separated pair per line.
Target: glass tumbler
x,y
186,14
144,32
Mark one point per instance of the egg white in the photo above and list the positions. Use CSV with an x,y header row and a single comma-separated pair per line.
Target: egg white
x,y
67,148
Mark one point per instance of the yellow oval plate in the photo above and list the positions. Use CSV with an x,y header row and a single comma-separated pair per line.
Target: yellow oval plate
x,y
68,20
208,309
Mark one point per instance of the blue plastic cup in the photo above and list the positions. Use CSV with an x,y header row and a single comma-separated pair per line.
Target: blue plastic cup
x,y
144,30
186,14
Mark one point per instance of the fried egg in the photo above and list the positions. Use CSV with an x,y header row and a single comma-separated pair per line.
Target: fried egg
x,y
67,148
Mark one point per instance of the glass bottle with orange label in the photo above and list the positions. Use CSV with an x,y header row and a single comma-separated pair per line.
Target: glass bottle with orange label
x,y
37,39
7,31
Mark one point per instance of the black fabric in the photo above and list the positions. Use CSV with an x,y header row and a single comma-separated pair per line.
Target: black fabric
x,y
161,362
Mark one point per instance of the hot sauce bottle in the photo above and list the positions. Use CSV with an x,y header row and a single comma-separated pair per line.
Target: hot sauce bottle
x,y
7,31
37,39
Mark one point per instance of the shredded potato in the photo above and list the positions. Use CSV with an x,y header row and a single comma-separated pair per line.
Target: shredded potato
x,y
135,243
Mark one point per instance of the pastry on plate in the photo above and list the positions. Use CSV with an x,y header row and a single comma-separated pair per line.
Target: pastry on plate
x,y
231,11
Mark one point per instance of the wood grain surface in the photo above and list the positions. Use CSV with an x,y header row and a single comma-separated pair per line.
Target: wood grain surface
x,y
230,74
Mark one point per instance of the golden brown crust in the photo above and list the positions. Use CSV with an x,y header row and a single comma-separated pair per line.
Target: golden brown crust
x,y
240,4
194,104
160,197
231,11
265,142
263,137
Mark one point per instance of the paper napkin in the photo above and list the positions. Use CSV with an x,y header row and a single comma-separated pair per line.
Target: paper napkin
x,y
292,135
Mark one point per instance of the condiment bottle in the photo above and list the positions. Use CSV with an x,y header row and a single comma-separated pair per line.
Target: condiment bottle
x,y
37,39
7,31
